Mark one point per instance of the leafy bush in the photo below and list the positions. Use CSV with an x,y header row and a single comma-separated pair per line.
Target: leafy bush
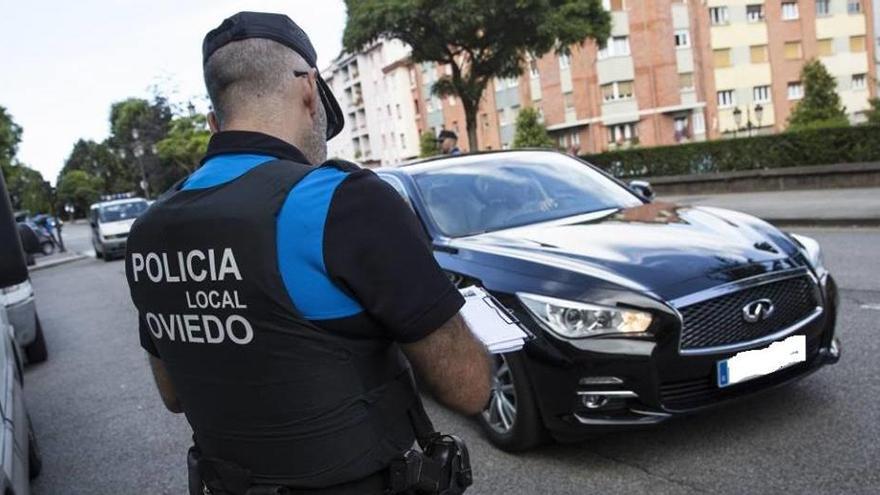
x,y
789,149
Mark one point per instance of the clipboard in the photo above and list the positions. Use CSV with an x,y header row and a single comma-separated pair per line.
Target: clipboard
x,y
492,323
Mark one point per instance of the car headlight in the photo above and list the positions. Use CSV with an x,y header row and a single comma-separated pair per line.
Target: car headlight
x,y
812,251
573,320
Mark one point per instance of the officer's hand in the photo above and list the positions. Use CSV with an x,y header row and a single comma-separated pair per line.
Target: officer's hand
x,y
455,366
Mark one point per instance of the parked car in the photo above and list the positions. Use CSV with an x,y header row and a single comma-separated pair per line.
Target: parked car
x,y
19,454
20,457
641,311
111,221
20,304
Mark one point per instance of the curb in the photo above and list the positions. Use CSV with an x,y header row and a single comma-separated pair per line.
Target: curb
x,y
824,222
60,261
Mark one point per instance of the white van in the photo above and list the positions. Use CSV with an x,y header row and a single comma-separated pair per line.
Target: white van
x,y
111,221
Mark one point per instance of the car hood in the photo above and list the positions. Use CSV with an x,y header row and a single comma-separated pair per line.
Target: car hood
x,y
116,228
649,247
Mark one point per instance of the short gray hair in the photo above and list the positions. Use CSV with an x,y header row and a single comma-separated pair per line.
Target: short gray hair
x,y
247,71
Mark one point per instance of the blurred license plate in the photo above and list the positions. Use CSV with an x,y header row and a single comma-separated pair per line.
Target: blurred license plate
x,y
760,362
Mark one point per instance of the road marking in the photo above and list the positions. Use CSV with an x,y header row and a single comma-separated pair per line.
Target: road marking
x,y
875,307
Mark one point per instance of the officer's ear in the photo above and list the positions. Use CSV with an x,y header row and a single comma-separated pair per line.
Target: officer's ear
x,y
213,122
311,98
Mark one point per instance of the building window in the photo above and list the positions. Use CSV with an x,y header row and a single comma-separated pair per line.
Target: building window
x,y
790,11
533,69
825,47
621,133
726,98
718,15
402,142
823,7
681,128
755,12
621,90
758,54
792,50
614,5
721,57
682,38
686,81
699,123
859,81
761,94
795,90
857,44
616,46
564,60
854,6
568,99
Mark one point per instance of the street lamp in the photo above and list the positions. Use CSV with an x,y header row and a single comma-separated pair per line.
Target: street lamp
x,y
737,119
138,154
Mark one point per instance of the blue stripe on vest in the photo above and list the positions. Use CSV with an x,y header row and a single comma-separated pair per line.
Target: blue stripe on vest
x,y
222,169
300,245
299,239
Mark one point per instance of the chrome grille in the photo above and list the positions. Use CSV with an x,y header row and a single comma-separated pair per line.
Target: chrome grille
x,y
719,322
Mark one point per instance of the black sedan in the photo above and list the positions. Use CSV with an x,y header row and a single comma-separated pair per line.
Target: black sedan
x,y
641,310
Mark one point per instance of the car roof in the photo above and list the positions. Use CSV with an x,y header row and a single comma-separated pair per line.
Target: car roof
x,y
444,161
117,202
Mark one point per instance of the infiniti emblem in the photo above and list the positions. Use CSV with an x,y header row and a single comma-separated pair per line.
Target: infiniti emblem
x,y
759,310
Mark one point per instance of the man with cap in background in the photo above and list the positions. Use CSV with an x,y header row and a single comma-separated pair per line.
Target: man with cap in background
x,y
448,142
276,290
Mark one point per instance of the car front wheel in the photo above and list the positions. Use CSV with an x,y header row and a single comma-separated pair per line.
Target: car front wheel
x,y
36,351
512,421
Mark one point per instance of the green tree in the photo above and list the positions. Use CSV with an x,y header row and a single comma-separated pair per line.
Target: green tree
x,y
185,143
136,127
820,106
530,132
873,114
10,136
478,39
27,188
428,145
100,160
79,188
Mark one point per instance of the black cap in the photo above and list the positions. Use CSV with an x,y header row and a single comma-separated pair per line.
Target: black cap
x,y
445,133
279,28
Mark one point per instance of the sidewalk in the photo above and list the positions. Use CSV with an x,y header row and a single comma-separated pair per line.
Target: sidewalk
x,y
54,260
834,207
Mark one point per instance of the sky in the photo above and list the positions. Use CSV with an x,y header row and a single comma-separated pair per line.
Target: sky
x,y
63,63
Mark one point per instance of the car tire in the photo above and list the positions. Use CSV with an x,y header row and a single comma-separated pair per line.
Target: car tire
x,y
523,429
47,248
36,351
35,458
98,253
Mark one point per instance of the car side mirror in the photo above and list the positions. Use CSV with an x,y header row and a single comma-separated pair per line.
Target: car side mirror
x,y
642,188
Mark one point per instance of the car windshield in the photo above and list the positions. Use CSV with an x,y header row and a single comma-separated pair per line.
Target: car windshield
x,y
511,190
121,211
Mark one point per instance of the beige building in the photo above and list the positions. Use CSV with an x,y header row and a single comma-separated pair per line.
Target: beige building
x,y
670,72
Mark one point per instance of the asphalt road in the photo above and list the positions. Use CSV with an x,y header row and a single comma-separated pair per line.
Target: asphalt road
x,y
103,430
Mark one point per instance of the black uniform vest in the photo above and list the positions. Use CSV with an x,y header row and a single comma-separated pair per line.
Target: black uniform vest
x,y
261,386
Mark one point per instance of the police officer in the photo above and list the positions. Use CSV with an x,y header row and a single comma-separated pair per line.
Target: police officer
x,y
448,142
276,290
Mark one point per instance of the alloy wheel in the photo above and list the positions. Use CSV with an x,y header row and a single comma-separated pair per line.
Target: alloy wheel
x,y
500,415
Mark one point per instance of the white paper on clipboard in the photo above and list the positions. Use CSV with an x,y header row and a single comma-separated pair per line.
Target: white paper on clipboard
x,y
493,325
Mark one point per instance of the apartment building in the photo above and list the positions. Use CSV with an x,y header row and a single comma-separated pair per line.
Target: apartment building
x,y
672,71
875,7
374,90
758,49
